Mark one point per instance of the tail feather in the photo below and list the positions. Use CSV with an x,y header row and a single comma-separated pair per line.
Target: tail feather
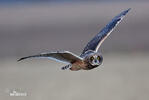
x,y
66,67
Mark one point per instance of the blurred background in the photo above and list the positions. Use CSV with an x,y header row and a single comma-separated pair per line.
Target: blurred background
x,y
30,27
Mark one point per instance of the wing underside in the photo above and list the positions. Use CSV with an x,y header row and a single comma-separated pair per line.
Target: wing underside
x,y
64,56
95,43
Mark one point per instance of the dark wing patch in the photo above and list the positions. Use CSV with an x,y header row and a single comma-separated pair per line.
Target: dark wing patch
x,y
65,56
95,43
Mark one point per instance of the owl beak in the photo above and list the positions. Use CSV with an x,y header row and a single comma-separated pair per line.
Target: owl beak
x,y
96,62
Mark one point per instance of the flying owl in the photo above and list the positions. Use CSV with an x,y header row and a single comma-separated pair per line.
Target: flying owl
x,y
90,57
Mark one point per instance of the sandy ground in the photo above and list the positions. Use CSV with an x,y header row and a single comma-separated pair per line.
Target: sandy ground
x,y
121,77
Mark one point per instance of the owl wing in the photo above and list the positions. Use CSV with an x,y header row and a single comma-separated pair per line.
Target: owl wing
x,y
64,56
95,43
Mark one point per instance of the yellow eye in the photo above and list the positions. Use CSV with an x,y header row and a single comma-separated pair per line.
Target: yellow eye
x,y
98,58
92,58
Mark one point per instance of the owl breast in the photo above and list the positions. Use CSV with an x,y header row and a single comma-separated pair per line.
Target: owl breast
x,y
81,65
78,66
89,67
91,59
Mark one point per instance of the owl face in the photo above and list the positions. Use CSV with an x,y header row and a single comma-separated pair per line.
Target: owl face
x,y
95,60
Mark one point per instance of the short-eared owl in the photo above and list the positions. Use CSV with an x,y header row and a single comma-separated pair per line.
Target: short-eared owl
x,y
90,57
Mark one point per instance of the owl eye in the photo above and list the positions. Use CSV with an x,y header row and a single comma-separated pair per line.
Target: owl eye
x,y
92,58
98,58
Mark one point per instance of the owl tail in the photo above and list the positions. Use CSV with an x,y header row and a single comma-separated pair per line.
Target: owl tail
x,y
66,67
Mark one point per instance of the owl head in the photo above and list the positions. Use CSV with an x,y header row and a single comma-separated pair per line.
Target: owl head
x,y
95,59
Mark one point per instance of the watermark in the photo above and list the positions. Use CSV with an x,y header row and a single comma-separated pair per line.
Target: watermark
x,y
16,93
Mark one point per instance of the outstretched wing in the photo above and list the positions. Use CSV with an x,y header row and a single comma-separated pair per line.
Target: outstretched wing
x,y
95,43
64,56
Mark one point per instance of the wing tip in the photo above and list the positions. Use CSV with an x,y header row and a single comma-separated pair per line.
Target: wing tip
x,y
126,11
123,13
21,59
